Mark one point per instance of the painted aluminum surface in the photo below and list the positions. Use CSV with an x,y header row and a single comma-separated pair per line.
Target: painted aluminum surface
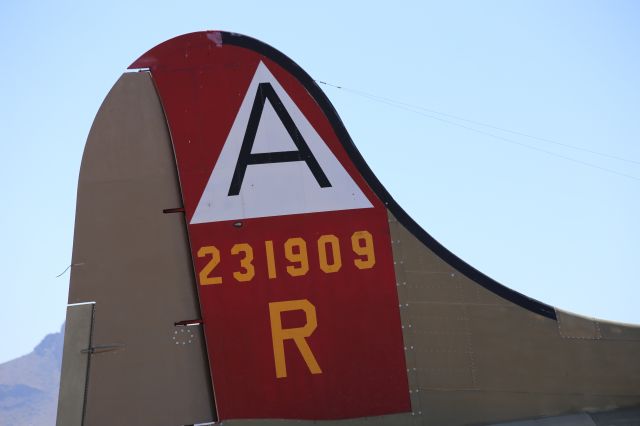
x,y
476,352
291,246
133,261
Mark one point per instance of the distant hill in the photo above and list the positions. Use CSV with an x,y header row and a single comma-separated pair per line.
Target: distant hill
x,y
29,385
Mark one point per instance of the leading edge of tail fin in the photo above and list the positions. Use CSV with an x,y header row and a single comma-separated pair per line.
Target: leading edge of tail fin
x,y
261,271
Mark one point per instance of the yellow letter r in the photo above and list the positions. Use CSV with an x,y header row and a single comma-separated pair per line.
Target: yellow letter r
x,y
298,334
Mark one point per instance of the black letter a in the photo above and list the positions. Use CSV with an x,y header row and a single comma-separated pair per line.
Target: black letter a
x,y
265,91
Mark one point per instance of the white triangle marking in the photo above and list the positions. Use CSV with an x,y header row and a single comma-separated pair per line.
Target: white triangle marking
x,y
275,189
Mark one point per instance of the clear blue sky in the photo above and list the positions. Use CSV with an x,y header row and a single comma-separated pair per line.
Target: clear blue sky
x,y
559,231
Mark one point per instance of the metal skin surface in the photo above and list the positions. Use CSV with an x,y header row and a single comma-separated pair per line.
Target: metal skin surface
x,y
476,358
132,260
476,352
355,363
75,366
